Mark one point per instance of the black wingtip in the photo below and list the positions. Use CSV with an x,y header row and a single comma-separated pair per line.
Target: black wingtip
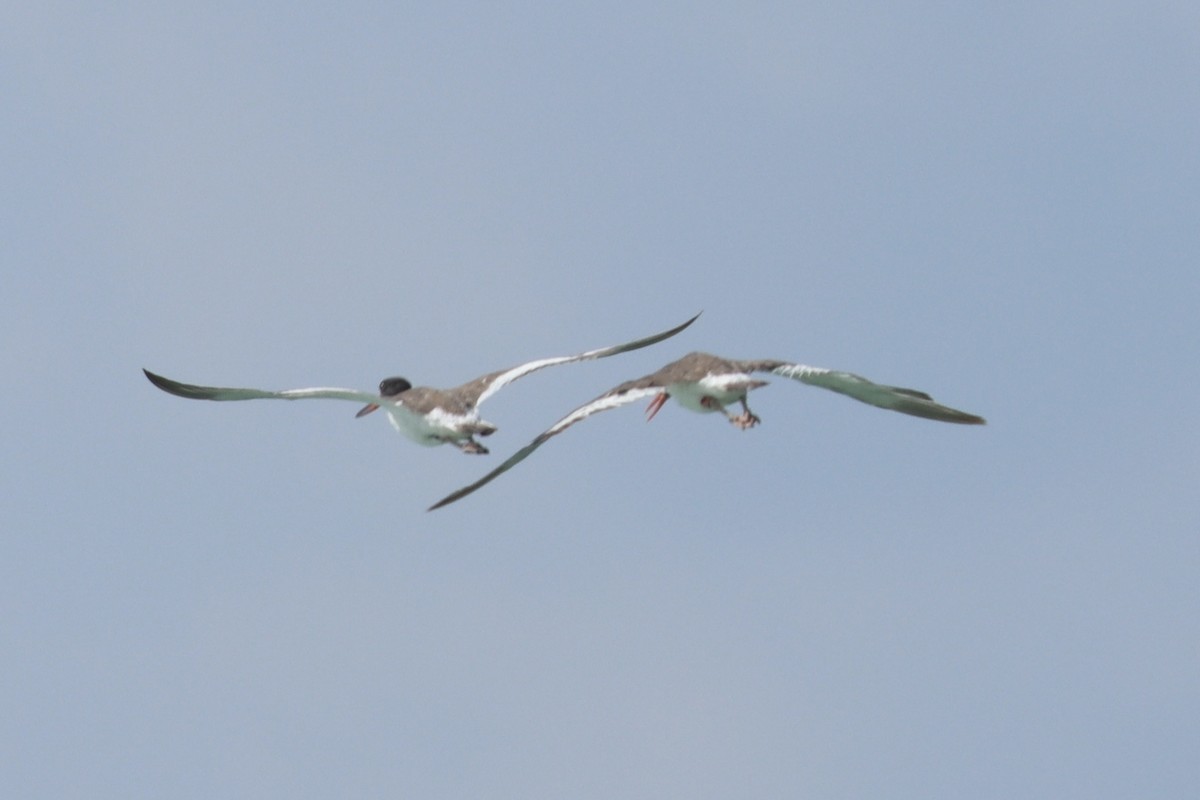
x,y
680,328
445,501
157,380
457,494
962,418
176,388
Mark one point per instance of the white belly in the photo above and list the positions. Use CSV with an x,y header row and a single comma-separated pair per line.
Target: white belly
x,y
430,429
725,389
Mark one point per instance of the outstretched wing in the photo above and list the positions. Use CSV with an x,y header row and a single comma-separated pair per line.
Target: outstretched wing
x,y
193,392
488,385
893,398
624,394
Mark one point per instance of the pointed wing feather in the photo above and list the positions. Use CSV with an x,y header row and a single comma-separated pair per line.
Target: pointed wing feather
x,y
193,392
623,395
893,398
489,384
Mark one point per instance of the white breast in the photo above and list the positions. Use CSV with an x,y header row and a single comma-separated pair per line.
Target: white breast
x,y
725,389
429,429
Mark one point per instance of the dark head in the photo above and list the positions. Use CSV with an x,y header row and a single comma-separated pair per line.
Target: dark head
x,y
388,388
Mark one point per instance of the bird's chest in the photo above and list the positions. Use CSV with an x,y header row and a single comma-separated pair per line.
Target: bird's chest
x,y
724,389
432,427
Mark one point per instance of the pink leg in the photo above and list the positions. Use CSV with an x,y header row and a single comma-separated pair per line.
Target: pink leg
x,y
470,446
747,420
743,422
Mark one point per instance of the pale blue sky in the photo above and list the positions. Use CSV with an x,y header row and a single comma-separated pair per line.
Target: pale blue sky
x,y
997,203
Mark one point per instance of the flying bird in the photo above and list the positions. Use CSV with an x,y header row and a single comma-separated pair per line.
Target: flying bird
x,y
707,384
428,416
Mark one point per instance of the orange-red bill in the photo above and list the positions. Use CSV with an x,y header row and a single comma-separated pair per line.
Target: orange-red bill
x,y
367,409
655,405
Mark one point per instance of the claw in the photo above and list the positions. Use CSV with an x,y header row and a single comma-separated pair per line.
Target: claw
x,y
748,419
745,421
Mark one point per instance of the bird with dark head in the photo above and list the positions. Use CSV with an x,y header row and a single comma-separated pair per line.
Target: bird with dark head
x,y
423,414
388,389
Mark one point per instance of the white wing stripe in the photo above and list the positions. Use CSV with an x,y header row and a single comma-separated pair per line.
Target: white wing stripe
x,y
602,403
521,371
798,371
513,374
